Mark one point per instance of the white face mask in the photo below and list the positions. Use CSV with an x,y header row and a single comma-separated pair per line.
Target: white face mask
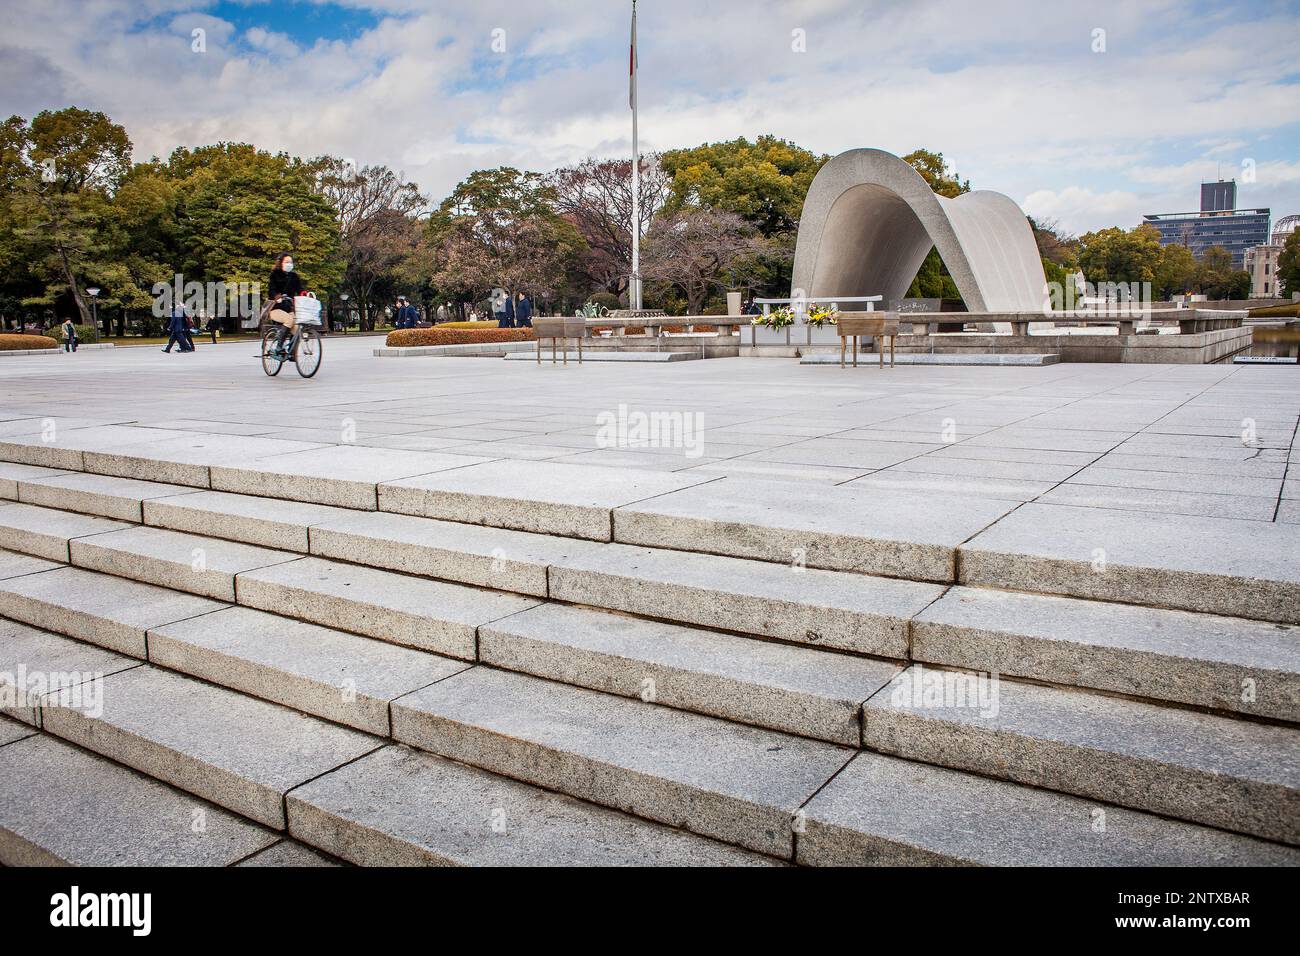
x,y
288,266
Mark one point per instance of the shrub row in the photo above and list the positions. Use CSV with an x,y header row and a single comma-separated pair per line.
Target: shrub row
x,y
1276,311
12,341
441,335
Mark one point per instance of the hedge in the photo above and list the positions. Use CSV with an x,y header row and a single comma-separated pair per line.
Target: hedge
x,y
441,335
469,325
1276,311
85,333
13,341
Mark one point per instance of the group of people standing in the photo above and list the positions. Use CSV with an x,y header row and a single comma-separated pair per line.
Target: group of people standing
x,y
513,312
405,316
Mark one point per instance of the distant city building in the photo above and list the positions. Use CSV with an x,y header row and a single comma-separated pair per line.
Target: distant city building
x,y
1218,223
1261,263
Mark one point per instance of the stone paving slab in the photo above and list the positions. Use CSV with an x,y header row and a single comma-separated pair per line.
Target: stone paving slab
x,y
335,475
401,807
1227,773
544,497
46,532
1129,478
109,816
269,522
1215,565
735,783
61,444
1248,667
11,473
240,753
13,564
876,532
173,559
844,453
316,670
101,609
32,661
794,689
852,612
187,460
289,853
499,558
881,811
103,495
1244,507
12,731
414,612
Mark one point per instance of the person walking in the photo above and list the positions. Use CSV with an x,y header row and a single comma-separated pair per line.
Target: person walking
x,y
213,328
524,312
69,336
177,327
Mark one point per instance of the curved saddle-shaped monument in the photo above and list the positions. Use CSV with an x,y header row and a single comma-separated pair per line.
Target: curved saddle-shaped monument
x,y
870,219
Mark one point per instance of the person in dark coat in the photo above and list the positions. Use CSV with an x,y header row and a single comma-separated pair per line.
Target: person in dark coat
x,y
178,330
69,336
524,312
283,285
507,320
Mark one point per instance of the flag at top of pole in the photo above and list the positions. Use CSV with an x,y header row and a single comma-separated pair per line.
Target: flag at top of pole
x,y
634,280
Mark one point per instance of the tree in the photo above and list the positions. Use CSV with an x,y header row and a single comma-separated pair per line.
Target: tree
x,y
1216,278
763,182
1054,245
1175,271
596,196
695,251
1120,255
499,228
240,206
59,174
1288,264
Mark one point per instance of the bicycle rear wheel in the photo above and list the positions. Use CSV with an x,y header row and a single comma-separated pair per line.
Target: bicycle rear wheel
x,y
270,364
308,354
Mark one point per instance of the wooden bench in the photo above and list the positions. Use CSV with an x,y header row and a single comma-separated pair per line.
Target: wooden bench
x,y
559,329
876,324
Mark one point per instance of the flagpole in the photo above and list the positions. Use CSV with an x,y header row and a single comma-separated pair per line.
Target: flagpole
x,y
634,297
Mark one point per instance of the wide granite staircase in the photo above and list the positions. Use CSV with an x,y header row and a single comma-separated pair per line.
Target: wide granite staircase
x,y
528,663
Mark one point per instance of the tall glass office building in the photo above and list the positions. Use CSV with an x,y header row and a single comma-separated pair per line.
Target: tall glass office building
x,y
1218,223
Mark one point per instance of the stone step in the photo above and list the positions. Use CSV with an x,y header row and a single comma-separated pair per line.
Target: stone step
x,y
11,474
1223,772
45,532
13,730
891,533
402,807
173,559
268,522
469,553
238,752
799,690
112,612
414,612
574,501
735,783
14,564
882,811
317,670
289,853
103,495
63,806
1247,667
1247,569
33,662
834,609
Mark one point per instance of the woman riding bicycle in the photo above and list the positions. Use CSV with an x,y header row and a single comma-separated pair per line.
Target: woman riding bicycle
x,y
284,284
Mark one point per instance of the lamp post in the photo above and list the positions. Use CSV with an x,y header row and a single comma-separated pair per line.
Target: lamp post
x,y
343,297
94,310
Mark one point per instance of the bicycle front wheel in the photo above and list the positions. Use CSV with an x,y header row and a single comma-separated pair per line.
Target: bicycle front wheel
x,y
270,364
308,355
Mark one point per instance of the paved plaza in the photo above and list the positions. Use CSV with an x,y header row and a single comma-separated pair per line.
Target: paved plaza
x,y
734,611
1157,440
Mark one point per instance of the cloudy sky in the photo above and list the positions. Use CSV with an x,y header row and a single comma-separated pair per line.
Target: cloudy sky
x,y
1090,113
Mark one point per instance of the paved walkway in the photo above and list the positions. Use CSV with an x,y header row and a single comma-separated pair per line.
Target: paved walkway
x,y
1154,439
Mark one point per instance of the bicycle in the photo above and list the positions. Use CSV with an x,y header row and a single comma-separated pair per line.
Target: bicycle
x,y
303,347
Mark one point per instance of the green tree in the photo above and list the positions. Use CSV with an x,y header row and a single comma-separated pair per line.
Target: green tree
x,y
1120,255
1216,278
763,182
1175,270
499,228
1288,264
